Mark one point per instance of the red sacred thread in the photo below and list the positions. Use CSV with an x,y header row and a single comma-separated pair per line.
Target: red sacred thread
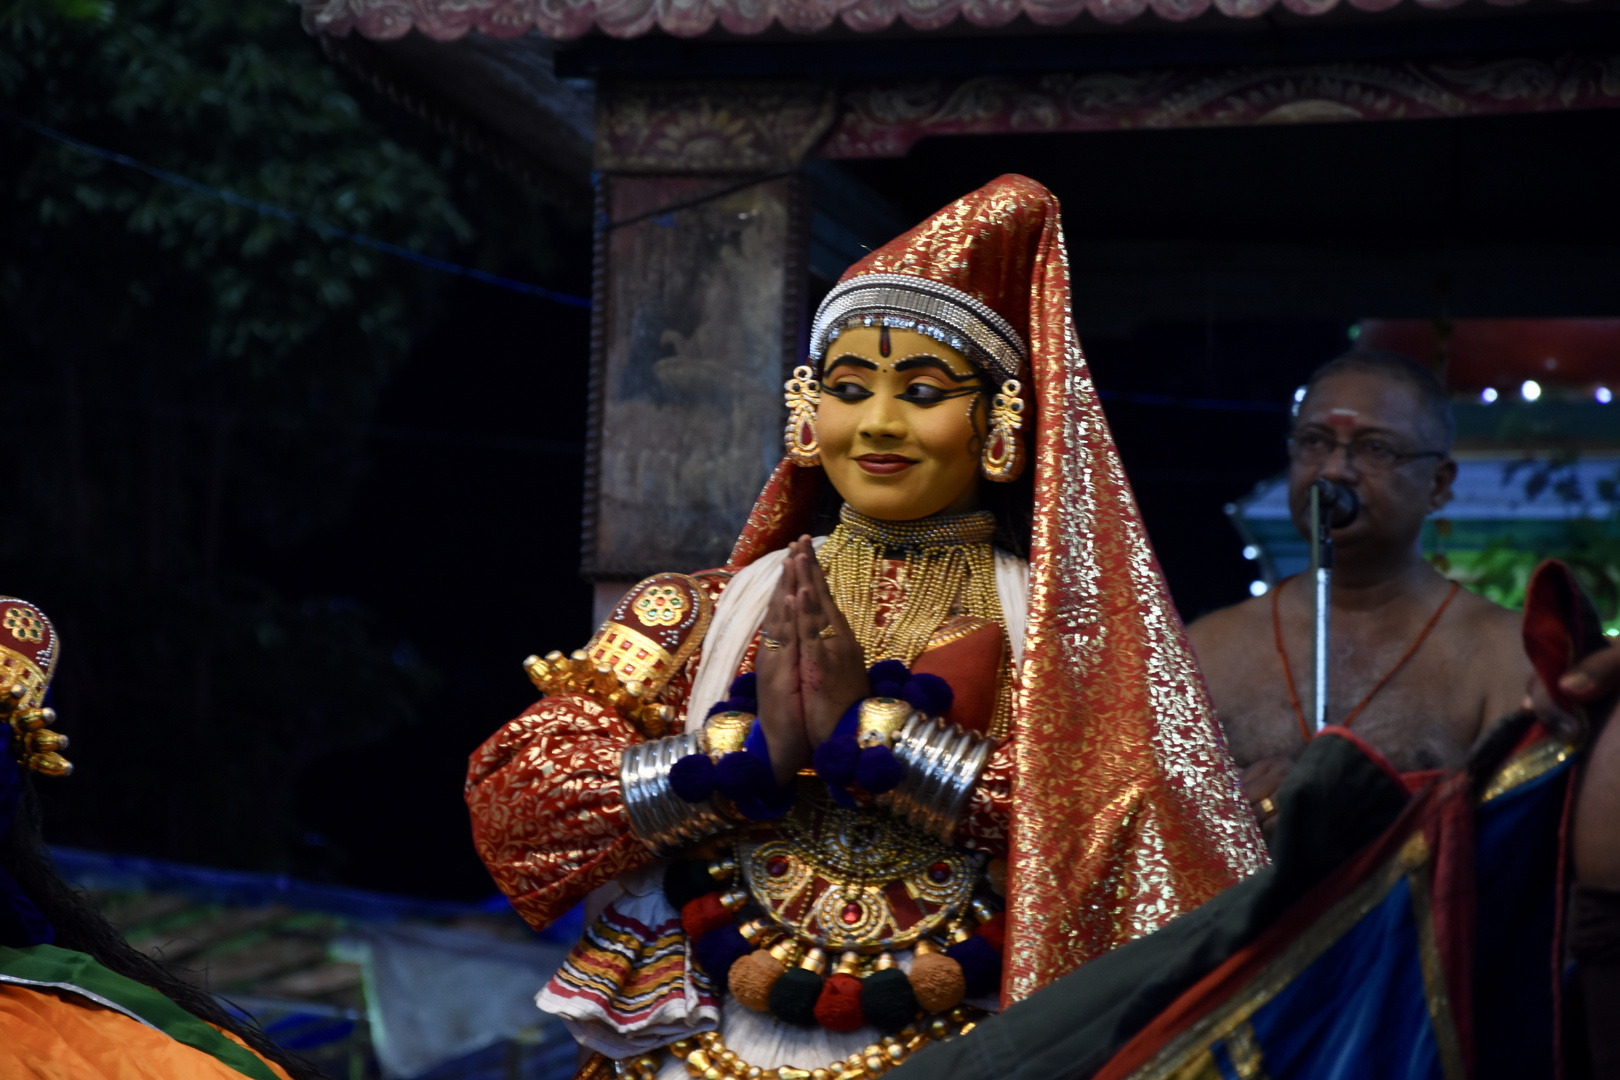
x,y
1288,672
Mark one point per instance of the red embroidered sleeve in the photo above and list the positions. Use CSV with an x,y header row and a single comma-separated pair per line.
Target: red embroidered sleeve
x,y
547,819
987,817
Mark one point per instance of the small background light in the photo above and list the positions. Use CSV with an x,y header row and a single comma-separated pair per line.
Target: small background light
x,y
1299,395
1251,552
1257,588
1530,390
1488,394
1603,394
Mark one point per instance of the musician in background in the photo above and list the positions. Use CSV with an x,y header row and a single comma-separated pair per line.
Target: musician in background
x,y
1417,667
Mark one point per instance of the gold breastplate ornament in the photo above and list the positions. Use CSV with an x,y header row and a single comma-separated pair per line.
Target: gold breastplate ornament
x,y
850,880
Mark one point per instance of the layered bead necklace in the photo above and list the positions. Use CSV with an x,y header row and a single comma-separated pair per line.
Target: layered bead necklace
x,y
948,569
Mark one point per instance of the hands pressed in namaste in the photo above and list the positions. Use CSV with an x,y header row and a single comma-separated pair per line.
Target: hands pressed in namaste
x,y
812,677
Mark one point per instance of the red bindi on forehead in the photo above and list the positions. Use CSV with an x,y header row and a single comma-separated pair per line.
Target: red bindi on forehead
x,y
1342,420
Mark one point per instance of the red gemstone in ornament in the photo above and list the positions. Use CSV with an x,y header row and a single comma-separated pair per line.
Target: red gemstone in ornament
x,y
807,434
939,873
998,448
776,866
852,913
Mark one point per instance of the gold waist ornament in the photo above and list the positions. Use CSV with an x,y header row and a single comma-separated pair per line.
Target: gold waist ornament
x,y
846,880
948,568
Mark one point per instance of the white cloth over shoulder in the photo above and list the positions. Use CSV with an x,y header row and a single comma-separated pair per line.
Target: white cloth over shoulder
x,y
742,607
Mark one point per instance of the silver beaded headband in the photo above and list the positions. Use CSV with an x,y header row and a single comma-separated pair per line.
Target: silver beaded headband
x,y
902,302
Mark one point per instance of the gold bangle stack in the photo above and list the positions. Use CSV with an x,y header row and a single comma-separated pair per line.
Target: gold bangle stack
x,y
707,1057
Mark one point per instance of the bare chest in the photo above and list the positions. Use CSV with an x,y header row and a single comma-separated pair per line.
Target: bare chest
x,y
1420,714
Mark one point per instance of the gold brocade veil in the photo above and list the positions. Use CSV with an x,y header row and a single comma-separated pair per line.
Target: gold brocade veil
x,y
1127,808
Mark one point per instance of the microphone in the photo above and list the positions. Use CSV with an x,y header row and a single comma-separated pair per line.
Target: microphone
x,y
1339,503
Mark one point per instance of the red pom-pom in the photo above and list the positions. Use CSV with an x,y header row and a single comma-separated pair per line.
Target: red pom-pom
x,y
839,1006
705,913
994,930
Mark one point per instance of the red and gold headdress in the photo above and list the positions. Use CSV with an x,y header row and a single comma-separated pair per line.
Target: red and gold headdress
x,y
1129,810
28,652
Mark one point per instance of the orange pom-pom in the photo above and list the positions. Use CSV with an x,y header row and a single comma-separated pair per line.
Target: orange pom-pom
x,y
705,913
752,978
994,930
996,872
839,1006
937,981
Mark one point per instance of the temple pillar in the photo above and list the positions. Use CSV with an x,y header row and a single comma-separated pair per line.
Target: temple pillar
x,y
702,232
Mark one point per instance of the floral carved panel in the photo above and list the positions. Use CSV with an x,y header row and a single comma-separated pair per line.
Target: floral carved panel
x,y
727,127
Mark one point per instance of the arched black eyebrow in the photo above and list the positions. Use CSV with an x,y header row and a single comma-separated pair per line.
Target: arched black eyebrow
x,y
853,361
911,363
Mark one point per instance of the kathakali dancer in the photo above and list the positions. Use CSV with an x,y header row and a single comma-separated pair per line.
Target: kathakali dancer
x,y
76,1000
842,796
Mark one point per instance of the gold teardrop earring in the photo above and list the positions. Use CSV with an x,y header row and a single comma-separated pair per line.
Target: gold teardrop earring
x,y
803,394
1003,457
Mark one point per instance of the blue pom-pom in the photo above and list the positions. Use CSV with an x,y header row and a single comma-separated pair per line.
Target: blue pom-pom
x,y
842,797
718,950
745,687
928,694
693,777
835,760
877,770
892,670
887,678
741,775
981,965
767,807
720,707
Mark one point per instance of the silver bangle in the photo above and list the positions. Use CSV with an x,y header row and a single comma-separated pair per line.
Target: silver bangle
x,y
660,818
942,763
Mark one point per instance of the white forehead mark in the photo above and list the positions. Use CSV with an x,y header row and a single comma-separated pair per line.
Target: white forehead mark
x,y
1343,412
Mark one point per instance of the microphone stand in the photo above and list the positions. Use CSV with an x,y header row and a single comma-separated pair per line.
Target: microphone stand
x,y
1322,571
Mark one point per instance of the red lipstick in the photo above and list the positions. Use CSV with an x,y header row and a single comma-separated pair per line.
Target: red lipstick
x,y
884,464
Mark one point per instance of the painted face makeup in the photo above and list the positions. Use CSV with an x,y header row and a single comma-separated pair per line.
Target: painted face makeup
x,y
890,442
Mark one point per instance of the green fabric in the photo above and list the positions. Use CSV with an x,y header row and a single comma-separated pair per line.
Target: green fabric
x,y
1335,802
49,966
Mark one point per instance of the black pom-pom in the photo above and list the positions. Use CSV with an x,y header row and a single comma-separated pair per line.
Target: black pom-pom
x,y
981,965
887,1000
793,997
693,777
877,770
929,694
687,879
835,760
742,775
745,687
718,949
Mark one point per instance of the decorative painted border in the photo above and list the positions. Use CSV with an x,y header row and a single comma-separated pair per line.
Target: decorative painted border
x,y
446,20
885,119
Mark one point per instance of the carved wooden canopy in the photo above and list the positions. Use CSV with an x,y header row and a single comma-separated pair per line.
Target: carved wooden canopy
x,y
446,20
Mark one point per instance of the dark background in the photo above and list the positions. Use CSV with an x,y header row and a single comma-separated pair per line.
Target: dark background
x,y
1213,270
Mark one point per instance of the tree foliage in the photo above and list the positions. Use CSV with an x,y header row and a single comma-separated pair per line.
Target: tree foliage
x,y
189,380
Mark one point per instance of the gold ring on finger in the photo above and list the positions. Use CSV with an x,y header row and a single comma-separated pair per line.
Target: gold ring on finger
x,y
1267,808
828,631
769,642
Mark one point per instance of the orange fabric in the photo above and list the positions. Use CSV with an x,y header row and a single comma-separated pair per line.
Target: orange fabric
x,y
972,665
1120,770
57,1035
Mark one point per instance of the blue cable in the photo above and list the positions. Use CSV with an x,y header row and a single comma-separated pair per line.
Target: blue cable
x,y
298,219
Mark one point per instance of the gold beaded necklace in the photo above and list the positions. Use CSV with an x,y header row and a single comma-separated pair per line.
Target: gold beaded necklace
x,y
948,569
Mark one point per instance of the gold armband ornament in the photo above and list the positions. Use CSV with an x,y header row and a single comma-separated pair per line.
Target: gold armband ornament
x,y
651,635
28,651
